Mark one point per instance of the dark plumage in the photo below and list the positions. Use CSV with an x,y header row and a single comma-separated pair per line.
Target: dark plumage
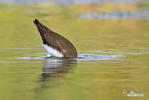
x,y
55,40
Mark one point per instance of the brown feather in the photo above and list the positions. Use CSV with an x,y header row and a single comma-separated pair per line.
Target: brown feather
x,y
55,40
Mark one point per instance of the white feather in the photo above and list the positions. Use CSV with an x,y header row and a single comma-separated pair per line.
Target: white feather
x,y
52,52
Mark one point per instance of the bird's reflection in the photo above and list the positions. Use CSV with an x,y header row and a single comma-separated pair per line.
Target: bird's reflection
x,y
56,66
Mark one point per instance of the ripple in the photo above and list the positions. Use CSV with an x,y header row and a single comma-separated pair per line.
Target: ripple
x,y
97,57
35,58
80,57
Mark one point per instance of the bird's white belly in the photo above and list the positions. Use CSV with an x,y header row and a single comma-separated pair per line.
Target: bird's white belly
x,y
52,52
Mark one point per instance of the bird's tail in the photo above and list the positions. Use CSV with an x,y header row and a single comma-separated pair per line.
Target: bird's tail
x,y
36,21
41,28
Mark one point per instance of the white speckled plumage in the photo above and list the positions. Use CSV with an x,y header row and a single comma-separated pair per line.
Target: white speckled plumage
x,y
52,52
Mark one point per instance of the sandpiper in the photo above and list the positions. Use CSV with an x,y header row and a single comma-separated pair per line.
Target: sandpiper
x,y
55,44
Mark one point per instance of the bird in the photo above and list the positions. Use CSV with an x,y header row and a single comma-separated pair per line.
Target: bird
x,y
55,44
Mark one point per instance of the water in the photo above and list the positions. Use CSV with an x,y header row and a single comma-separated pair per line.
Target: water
x,y
117,15
113,53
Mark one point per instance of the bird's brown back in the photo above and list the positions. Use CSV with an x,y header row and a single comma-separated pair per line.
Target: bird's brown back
x,y
55,40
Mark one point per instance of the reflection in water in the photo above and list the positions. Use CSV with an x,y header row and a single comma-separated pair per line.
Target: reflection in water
x,y
53,72
56,66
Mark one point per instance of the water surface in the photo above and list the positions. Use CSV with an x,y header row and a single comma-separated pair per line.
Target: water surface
x,y
112,61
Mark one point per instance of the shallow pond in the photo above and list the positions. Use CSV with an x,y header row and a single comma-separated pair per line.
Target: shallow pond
x,y
113,53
